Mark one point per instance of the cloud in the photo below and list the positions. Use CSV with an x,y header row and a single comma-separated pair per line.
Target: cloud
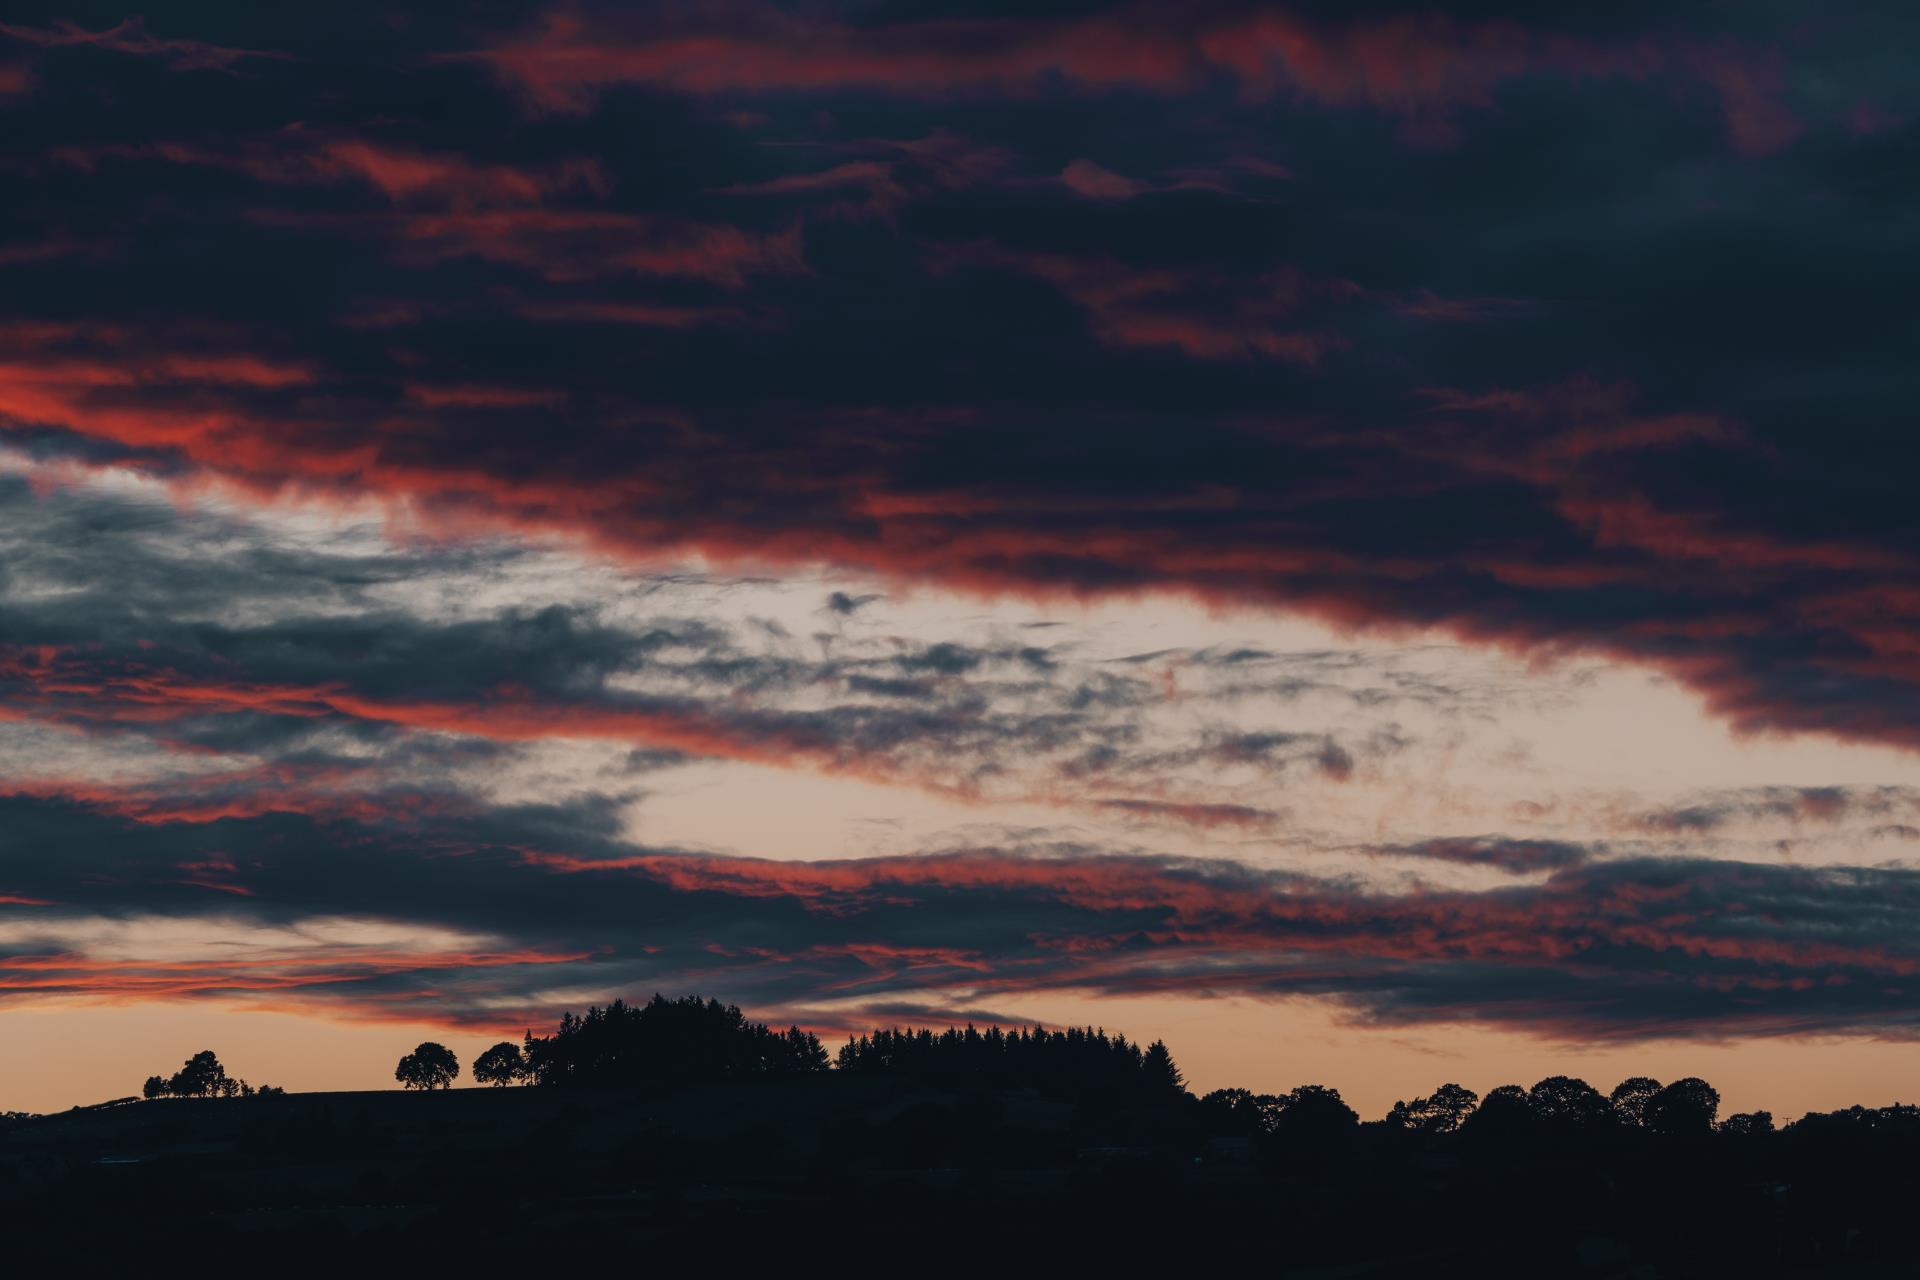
x,y
1518,856
1097,183
206,665
1382,391
1827,806
1624,949
132,37
1401,62
358,428
847,605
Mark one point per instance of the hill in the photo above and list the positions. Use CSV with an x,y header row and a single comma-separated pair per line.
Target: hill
x,y
811,1167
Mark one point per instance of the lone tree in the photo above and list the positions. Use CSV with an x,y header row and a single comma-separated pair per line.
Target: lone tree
x,y
430,1066
503,1064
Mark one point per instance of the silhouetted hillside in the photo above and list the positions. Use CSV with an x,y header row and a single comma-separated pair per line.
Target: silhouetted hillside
x,y
681,1126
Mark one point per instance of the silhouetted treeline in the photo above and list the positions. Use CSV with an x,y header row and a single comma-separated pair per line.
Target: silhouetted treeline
x,y
673,1041
1053,1136
1082,1058
1558,1107
202,1076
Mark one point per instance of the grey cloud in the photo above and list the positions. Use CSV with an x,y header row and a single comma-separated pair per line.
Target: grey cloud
x,y
1621,949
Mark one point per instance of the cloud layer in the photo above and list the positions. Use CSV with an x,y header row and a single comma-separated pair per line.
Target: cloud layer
x,y
368,386
1626,949
1562,334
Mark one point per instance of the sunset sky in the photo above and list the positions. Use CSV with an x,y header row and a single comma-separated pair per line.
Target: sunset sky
x,y
1375,543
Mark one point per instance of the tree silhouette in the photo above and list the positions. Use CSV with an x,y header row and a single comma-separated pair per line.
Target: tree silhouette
x,y
430,1066
1239,1112
1443,1113
1082,1060
201,1077
1629,1099
1313,1118
503,1064
1748,1124
665,1041
1564,1102
1157,1069
1504,1115
1684,1109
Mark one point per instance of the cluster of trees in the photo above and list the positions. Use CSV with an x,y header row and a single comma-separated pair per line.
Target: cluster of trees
x,y
202,1076
1311,1113
1084,1057
661,1041
1557,1105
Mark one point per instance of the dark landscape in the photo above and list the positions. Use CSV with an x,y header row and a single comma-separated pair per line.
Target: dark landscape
x,y
680,1127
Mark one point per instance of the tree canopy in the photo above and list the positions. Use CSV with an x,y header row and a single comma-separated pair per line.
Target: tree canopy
x,y
201,1076
1085,1058
1629,1099
1444,1112
666,1041
503,1064
1685,1108
430,1066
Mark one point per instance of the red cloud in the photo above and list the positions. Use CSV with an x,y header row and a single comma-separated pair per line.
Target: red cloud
x,y
1094,182
1408,64
311,973
1162,307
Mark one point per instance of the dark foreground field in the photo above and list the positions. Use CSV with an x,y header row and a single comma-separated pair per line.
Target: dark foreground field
x,y
837,1172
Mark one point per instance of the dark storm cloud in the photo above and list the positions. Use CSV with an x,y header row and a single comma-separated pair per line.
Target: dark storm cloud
x,y
1570,331
552,898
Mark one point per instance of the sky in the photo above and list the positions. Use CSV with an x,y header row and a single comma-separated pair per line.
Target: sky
x,y
1373,542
